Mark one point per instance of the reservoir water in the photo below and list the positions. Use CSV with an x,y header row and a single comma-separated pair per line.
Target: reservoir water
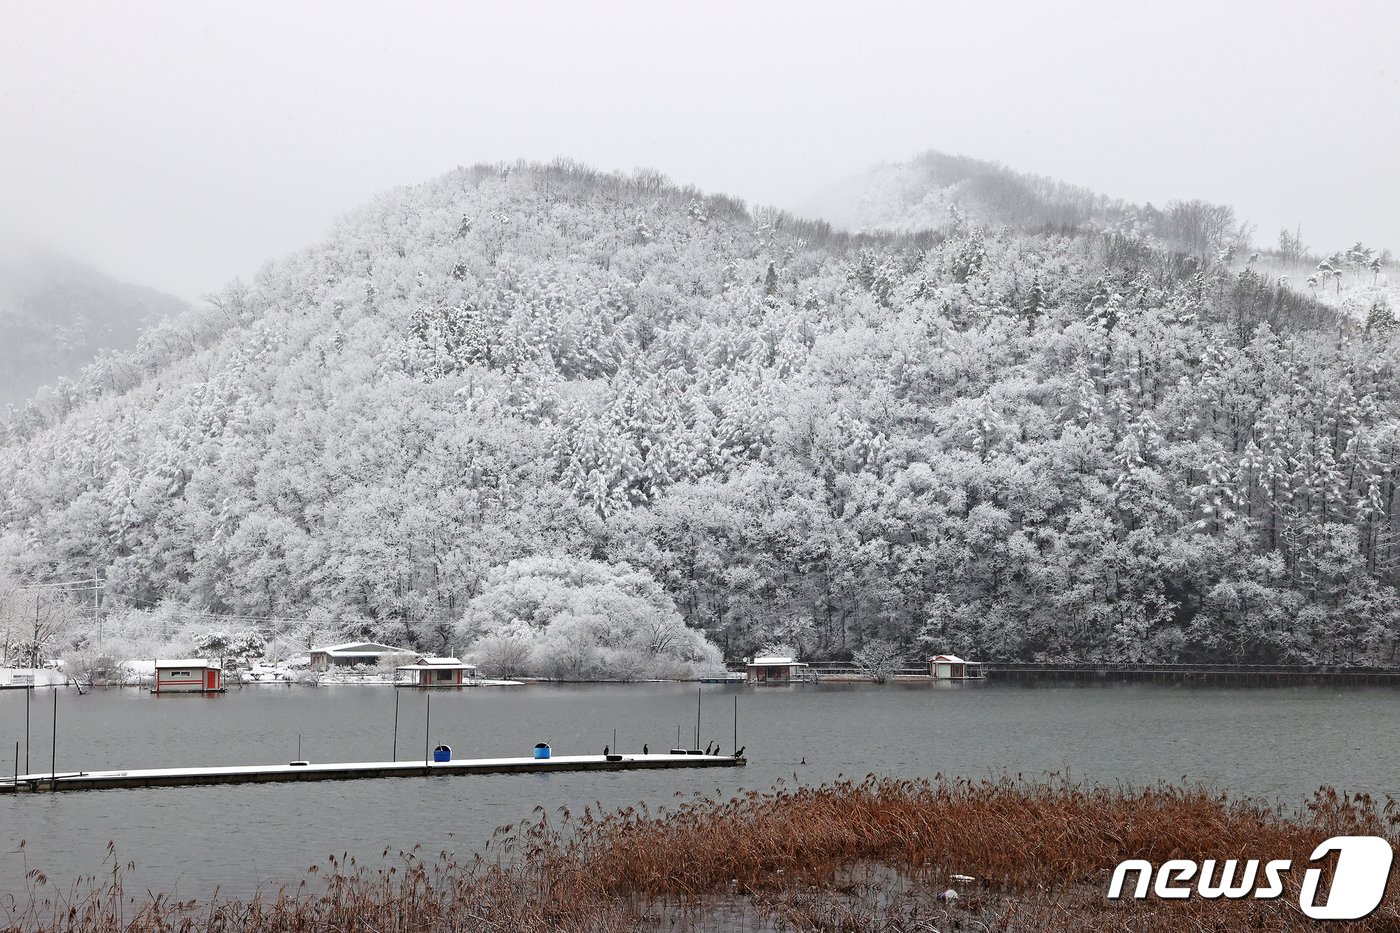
x,y
1277,743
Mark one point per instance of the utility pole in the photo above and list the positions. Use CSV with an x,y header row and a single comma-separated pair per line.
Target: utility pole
x,y
96,584
34,650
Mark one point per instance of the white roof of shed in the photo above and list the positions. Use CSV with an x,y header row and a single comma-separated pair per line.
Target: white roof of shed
x,y
776,662
437,664
361,647
188,662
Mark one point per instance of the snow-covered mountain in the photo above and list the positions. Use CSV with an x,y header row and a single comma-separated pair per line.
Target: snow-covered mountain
x,y
532,394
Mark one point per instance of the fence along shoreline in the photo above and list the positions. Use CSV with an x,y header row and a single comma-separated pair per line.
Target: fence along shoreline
x,y
1114,672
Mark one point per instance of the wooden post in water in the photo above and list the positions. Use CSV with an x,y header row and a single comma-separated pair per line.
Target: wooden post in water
x,y
735,747
53,752
699,691
16,764
28,695
428,730
396,724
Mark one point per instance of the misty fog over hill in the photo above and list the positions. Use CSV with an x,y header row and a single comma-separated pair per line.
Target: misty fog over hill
x,y
56,314
930,190
935,191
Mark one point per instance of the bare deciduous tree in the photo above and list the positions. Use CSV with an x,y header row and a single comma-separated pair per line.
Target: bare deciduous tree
x,y
879,659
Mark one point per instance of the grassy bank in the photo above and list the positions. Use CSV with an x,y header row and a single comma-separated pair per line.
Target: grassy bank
x,y
867,856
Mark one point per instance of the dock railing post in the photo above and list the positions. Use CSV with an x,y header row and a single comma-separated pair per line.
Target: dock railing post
x,y
28,696
428,731
53,752
396,724
735,746
699,692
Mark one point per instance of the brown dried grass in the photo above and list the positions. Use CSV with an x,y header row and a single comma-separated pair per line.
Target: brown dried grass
x,y
852,856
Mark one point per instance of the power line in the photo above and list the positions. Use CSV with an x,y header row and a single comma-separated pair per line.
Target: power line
x,y
95,582
202,614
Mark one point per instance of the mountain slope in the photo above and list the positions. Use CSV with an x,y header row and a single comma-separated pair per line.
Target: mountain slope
x,y
1005,444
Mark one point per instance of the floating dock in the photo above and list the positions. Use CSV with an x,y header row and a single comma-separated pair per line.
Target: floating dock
x,y
349,771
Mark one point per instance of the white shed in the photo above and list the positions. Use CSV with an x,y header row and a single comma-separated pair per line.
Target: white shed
x,y
952,667
189,675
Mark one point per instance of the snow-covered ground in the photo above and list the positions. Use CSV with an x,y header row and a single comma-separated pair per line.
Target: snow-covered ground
x,y
274,674
380,678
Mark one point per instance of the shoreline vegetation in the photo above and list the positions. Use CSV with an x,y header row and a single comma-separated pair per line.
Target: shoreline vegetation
x,y
880,854
1079,673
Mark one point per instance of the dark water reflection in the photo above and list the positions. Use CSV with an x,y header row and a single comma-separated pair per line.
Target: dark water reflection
x,y
1280,744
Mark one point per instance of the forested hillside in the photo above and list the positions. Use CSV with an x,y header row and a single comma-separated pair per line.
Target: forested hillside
x,y
55,316
515,394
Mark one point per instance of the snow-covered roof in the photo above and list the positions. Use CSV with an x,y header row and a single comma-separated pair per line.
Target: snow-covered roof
x,y
776,662
188,662
951,659
360,647
437,664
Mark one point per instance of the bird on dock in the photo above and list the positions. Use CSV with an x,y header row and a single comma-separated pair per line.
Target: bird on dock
x,y
707,748
716,751
607,750
645,750
740,752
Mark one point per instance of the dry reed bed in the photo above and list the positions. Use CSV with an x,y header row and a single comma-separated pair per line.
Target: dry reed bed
x,y
858,856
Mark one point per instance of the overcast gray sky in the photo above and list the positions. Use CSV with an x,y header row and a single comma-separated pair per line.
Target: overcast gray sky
x,y
179,144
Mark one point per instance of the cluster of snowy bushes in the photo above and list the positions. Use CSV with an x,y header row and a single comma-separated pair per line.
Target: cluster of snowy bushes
x,y
573,619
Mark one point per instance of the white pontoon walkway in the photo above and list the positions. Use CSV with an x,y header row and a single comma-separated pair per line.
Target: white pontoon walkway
x,y
347,771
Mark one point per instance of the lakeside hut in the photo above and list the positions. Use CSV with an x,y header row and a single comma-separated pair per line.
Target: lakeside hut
x,y
439,672
775,670
952,667
351,653
188,675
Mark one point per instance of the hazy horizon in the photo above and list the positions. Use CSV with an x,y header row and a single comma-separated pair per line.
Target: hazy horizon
x,y
179,147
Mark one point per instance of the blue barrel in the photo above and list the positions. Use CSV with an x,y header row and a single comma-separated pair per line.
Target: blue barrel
x,y
442,753
542,750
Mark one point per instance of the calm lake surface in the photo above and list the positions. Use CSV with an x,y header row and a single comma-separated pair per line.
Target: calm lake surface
x,y
1279,744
